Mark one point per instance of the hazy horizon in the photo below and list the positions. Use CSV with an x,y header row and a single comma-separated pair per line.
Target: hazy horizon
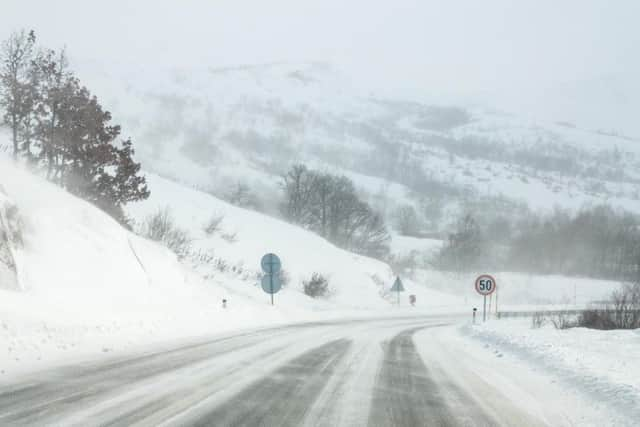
x,y
569,61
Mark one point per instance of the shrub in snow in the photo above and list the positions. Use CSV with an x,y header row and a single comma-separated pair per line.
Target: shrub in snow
x,y
230,237
317,286
595,319
220,265
626,304
624,312
161,228
538,320
213,224
562,321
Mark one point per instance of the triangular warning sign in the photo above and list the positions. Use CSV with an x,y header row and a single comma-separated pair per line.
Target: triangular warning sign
x,y
397,286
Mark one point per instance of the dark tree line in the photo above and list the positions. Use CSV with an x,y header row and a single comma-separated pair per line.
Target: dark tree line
x,y
59,127
329,205
596,242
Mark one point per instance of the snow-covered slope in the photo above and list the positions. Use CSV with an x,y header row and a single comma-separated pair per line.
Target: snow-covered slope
x,y
214,128
81,284
235,248
78,283
73,250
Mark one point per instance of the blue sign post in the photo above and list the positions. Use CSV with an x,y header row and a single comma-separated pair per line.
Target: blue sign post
x,y
271,266
397,287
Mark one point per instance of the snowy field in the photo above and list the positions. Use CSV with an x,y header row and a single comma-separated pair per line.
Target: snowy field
x,y
600,364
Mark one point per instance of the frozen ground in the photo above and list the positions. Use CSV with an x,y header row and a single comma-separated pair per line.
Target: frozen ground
x,y
601,365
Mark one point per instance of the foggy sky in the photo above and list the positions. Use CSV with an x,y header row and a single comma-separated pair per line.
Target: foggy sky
x,y
569,60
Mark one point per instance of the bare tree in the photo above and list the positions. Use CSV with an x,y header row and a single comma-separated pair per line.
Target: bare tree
x,y
16,55
298,185
330,206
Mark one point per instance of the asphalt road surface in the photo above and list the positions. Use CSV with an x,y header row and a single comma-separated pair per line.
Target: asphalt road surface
x,y
351,373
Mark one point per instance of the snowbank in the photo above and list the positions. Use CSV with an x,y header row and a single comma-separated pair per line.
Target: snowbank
x,y
602,364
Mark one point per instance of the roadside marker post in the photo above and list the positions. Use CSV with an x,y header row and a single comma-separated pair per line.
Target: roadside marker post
x,y
271,266
474,315
485,285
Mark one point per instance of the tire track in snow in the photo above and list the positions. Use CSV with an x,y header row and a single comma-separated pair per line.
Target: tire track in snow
x,y
65,391
404,394
284,397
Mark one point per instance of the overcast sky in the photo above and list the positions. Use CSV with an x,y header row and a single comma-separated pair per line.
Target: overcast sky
x,y
570,59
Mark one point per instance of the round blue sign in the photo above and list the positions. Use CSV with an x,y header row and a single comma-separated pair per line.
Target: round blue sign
x,y
271,284
271,263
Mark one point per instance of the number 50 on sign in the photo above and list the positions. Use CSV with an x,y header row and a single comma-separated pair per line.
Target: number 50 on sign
x,y
485,285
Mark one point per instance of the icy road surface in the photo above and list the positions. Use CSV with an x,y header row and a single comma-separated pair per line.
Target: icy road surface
x,y
384,372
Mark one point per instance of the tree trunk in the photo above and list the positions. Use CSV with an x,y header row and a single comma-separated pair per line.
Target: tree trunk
x,y
14,129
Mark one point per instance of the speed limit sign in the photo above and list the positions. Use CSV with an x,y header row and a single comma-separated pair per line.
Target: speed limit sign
x,y
485,285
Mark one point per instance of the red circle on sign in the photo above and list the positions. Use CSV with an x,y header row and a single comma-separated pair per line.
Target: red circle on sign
x,y
485,285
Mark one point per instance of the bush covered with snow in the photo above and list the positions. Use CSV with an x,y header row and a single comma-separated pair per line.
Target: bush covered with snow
x,y
161,227
317,286
623,313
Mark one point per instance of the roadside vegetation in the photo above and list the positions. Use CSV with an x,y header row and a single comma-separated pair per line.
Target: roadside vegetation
x,y
621,311
59,128
330,206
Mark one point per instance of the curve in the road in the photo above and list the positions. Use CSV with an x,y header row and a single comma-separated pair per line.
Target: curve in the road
x,y
323,374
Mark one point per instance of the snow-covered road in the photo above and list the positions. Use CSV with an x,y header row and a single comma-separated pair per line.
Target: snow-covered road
x,y
384,372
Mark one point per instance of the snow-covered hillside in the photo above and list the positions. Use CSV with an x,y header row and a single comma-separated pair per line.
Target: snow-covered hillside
x,y
215,128
85,284
234,250
78,283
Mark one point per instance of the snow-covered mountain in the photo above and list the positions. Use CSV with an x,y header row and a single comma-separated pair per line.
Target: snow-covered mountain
x,y
215,128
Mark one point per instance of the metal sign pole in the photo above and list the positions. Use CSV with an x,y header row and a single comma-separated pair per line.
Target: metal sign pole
x,y
490,303
484,310
271,285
